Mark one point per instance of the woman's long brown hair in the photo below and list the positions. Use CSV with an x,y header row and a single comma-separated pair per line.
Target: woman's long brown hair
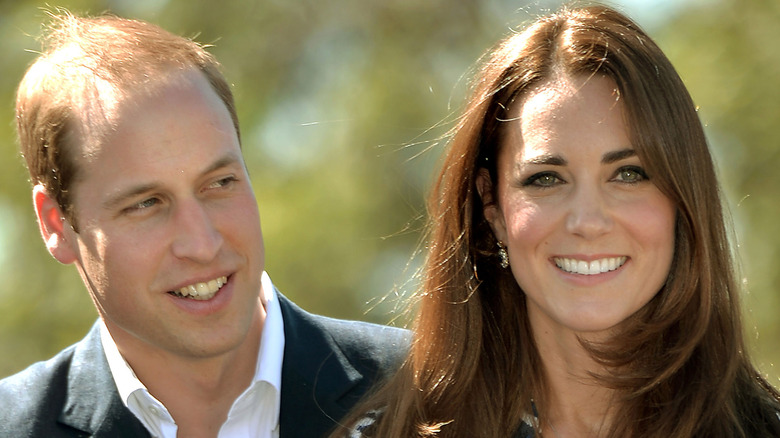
x,y
679,365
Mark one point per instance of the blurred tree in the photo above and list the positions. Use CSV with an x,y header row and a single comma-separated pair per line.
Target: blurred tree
x,y
42,306
336,100
727,54
341,105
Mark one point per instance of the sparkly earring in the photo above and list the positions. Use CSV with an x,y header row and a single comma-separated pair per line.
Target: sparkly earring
x,y
503,255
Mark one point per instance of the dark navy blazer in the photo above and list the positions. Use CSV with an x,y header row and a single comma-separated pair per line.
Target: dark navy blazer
x,y
328,365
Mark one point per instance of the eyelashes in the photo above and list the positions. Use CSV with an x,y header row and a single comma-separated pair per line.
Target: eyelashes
x,y
223,182
630,174
542,179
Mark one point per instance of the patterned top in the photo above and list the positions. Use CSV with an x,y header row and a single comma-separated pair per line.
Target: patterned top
x,y
365,423
525,430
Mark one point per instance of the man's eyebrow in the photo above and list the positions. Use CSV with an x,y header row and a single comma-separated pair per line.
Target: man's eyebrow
x,y
120,197
615,156
225,161
133,191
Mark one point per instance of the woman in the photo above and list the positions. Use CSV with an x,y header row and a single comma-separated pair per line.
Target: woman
x,y
579,281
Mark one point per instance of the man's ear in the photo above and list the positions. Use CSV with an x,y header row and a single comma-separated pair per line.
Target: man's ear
x,y
490,208
54,227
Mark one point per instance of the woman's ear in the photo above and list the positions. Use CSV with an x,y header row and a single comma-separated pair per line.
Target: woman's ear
x,y
54,227
490,208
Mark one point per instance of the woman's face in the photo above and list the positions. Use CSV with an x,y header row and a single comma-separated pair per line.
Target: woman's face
x,y
590,238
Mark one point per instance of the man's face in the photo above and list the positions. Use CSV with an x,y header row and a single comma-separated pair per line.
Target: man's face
x,y
169,242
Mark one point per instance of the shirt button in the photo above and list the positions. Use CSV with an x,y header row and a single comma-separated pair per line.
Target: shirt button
x,y
154,410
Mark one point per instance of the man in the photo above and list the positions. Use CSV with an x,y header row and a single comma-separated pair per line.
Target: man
x,y
131,138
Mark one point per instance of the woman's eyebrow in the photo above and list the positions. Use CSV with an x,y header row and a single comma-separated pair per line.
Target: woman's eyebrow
x,y
614,156
548,159
557,160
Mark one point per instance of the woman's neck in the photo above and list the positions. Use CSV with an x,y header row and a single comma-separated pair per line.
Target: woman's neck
x,y
577,404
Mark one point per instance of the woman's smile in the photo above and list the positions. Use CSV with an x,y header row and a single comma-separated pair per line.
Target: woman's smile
x,y
569,177
593,267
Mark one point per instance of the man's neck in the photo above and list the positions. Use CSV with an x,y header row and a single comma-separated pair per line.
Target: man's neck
x,y
199,392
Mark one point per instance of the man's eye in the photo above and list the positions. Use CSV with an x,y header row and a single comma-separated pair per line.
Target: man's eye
x,y
146,203
223,182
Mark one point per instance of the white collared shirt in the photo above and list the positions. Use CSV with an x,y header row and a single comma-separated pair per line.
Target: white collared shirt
x,y
254,414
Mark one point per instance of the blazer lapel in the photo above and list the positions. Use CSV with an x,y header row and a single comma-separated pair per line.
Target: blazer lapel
x,y
92,402
316,376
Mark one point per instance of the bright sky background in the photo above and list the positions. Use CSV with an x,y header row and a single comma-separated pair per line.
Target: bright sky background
x,y
652,13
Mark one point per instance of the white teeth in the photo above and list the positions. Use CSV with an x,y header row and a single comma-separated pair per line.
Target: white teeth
x,y
203,288
202,291
595,267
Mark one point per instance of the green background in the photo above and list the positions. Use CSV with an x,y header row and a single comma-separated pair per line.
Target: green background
x,y
342,103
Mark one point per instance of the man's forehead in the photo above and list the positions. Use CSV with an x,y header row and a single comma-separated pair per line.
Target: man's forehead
x,y
98,112
93,117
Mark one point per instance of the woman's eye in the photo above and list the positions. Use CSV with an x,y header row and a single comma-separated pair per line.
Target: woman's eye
x,y
630,174
544,179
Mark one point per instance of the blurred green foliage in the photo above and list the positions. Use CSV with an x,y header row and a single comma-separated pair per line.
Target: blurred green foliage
x,y
727,54
341,105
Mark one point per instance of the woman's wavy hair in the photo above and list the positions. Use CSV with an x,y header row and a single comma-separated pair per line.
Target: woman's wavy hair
x,y
679,365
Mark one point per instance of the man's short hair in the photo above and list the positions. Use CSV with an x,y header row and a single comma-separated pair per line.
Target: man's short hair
x,y
89,65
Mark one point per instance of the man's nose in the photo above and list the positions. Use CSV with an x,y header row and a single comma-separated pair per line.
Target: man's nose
x,y
196,237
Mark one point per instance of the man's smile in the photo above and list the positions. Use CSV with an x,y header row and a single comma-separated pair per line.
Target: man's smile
x,y
201,291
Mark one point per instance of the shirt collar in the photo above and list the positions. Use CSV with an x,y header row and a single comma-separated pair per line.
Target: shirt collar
x,y
271,355
269,370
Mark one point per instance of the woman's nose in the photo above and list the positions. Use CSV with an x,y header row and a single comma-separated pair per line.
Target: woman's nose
x,y
588,214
